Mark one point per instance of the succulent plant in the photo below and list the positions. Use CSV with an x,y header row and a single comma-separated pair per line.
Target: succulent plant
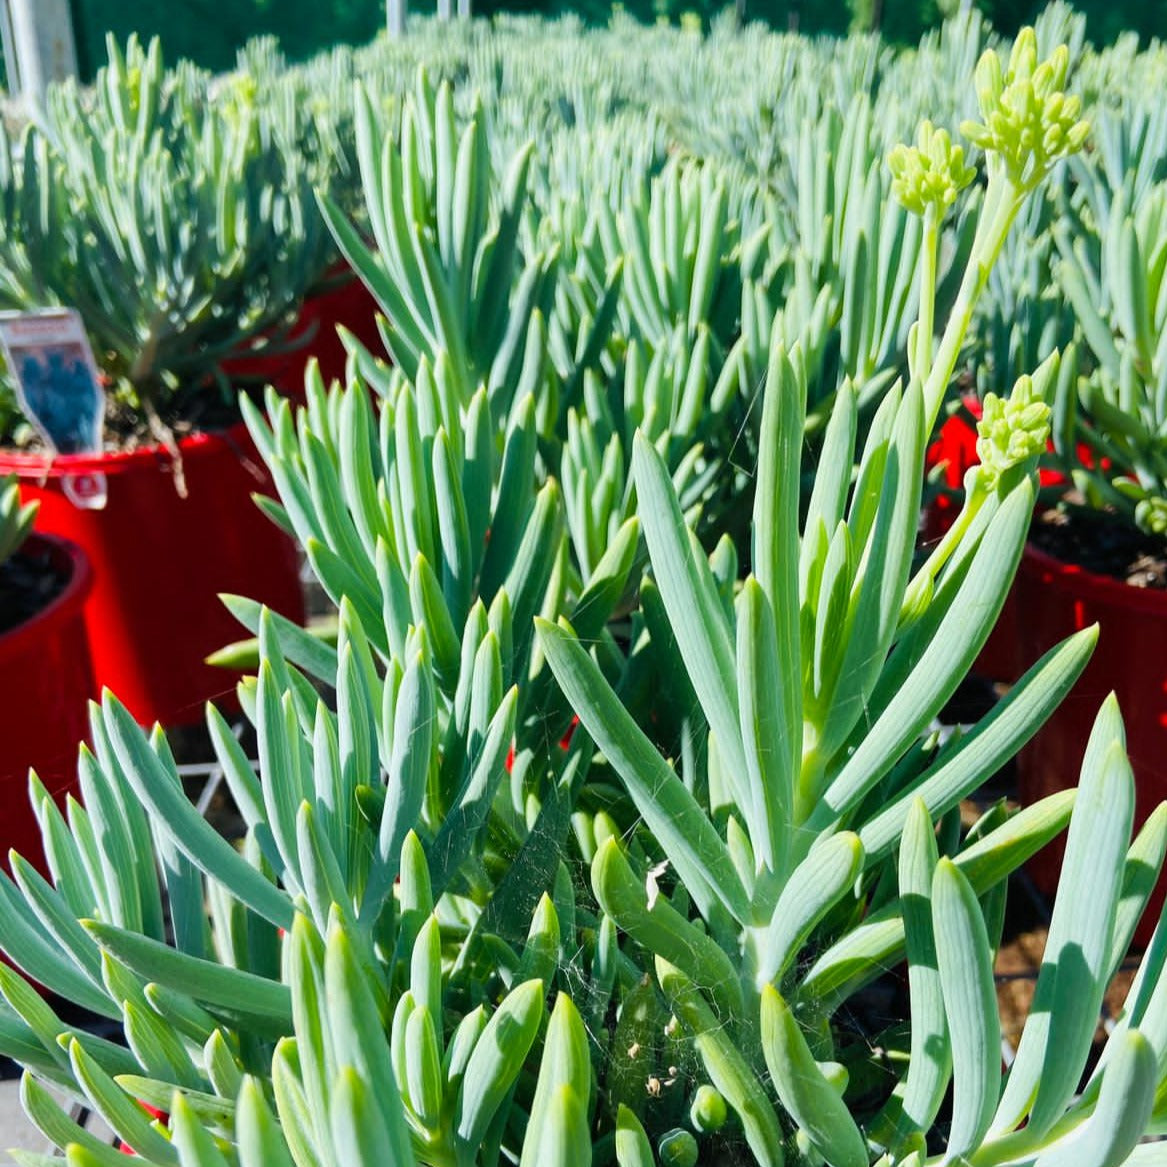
x,y
179,227
16,518
393,869
1116,405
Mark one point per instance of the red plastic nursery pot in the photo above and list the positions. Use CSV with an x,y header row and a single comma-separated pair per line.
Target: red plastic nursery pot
x,y
1058,599
46,681
349,303
160,561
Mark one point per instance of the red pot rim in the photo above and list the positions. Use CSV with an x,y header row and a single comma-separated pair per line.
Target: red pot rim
x,y
40,466
1089,585
64,607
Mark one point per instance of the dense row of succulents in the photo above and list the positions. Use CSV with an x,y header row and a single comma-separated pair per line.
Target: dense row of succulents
x,y
176,209
621,783
143,172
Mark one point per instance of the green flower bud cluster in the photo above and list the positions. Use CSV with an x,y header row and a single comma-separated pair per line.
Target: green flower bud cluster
x,y
1151,514
1029,122
1150,510
1011,431
929,174
238,101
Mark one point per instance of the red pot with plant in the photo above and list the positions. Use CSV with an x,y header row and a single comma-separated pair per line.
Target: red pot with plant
x,y
46,679
160,311
1057,598
161,559
1101,556
341,300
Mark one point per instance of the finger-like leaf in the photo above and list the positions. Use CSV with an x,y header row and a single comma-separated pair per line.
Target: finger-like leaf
x,y
812,1101
120,1111
632,1146
691,601
257,1133
813,888
965,960
948,657
1124,1108
989,744
48,1117
671,812
662,930
494,1065
188,830
558,1129
914,1107
727,1068
203,980
761,677
358,1044
1076,962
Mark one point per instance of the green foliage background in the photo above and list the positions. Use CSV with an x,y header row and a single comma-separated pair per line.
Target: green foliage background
x,y
210,31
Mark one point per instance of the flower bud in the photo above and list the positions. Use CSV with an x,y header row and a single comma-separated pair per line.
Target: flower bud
x,y
1027,120
1011,431
989,80
929,174
1151,515
1023,58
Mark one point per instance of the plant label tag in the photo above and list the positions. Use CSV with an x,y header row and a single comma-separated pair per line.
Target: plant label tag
x,y
51,365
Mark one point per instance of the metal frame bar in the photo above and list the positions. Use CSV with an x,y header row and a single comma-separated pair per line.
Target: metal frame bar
x,y
397,12
11,64
39,42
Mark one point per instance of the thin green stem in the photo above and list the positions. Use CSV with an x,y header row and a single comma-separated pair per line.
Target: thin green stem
x,y
925,330
810,784
943,550
1002,202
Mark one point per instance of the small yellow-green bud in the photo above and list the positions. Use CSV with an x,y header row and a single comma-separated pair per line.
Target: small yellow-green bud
x,y
677,1148
708,1111
989,80
246,89
929,174
1150,509
1151,515
1027,121
1011,431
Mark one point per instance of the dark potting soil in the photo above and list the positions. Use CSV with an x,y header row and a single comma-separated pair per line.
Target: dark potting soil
x,y
29,582
1103,544
197,410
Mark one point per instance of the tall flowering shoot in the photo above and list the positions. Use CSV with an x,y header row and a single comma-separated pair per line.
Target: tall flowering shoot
x,y
1028,123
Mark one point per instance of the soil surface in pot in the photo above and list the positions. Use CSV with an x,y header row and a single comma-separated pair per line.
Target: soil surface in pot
x,y
29,581
205,408
1102,543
